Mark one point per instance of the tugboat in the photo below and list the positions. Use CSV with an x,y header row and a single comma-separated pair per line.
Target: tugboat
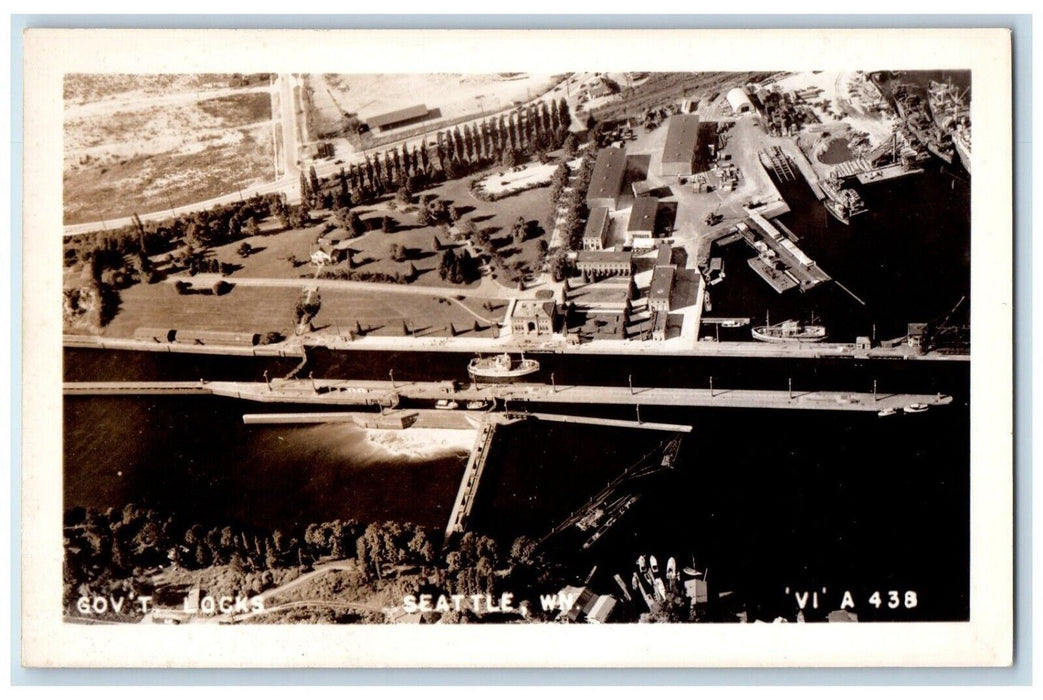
x,y
790,332
501,368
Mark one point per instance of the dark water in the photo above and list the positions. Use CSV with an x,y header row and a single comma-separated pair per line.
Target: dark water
x,y
907,259
765,499
194,456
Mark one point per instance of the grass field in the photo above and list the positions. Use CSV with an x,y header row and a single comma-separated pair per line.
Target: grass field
x,y
372,250
243,309
263,309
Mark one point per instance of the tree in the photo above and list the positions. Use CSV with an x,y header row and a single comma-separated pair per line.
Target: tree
x,y
571,145
387,225
244,249
358,227
564,118
423,216
313,180
404,196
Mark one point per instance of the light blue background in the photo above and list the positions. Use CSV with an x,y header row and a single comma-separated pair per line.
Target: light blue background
x,y
1019,674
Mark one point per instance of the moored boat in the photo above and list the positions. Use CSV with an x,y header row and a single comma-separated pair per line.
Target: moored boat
x,y
916,408
501,368
446,405
790,332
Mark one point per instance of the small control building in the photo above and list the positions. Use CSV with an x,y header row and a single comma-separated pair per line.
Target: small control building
x,y
596,232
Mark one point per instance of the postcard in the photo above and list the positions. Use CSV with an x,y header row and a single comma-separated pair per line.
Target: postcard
x,y
472,348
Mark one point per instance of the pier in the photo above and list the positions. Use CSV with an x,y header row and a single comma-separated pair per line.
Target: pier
x,y
797,268
512,396
804,166
468,490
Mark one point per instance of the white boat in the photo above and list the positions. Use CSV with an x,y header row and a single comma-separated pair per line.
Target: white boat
x,y
657,582
446,405
476,405
790,332
671,569
501,368
887,411
916,408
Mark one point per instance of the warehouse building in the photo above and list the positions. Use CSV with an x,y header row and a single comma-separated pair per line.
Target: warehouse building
x,y
739,101
606,181
398,118
679,149
641,225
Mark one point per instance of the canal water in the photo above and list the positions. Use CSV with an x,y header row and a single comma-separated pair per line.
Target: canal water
x,y
906,260
764,498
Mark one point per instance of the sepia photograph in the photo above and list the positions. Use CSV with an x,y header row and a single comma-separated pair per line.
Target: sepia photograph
x,y
554,348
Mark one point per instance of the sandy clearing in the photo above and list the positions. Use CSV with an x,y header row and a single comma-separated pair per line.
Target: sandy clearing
x,y
372,94
507,181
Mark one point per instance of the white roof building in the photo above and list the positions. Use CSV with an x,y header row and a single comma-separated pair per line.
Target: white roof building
x,y
739,101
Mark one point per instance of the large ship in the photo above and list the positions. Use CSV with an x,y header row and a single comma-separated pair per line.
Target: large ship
x,y
790,332
501,368
911,108
952,115
947,105
961,138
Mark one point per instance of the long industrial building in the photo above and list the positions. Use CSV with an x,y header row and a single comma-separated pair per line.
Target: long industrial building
x,y
679,150
400,117
607,179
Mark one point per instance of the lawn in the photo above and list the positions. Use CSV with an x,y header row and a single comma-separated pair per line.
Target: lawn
x,y
371,251
498,217
244,309
383,314
263,309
